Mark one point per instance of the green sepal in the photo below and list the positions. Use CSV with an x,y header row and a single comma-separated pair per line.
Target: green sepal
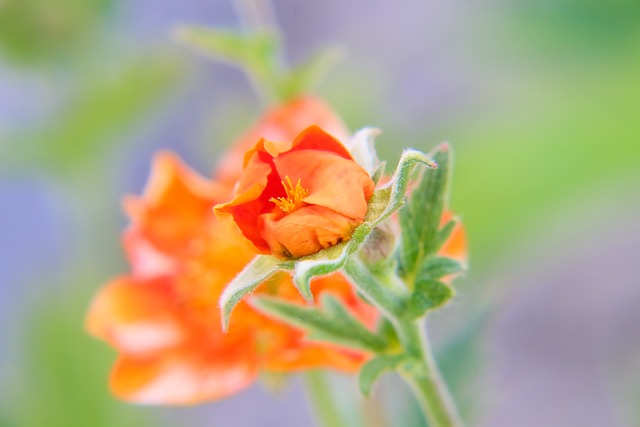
x,y
327,261
332,323
372,370
438,267
362,148
391,196
256,272
427,295
420,219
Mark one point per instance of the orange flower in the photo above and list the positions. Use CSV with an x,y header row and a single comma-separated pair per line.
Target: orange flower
x,y
299,196
163,317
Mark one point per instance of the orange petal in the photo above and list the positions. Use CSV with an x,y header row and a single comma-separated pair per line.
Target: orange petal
x,y
333,182
135,317
314,138
175,203
306,231
147,262
243,211
300,356
456,245
186,375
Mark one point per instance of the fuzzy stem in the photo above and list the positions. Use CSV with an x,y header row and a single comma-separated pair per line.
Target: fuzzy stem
x,y
421,373
425,379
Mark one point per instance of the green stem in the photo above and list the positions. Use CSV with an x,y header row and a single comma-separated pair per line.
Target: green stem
x,y
425,380
320,394
379,295
422,375
268,65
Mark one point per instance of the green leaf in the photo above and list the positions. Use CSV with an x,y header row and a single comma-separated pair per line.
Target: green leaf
x,y
420,219
333,324
438,267
231,46
443,234
305,77
368,284
386,330
257,53
256,272
260,55
427,295
376,367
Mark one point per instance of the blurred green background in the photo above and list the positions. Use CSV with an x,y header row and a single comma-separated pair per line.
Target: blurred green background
x,y
540,99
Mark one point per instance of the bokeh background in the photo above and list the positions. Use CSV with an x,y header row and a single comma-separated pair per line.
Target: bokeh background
x,y
540,99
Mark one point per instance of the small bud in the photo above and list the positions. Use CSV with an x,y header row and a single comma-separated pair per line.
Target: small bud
x,y
380,243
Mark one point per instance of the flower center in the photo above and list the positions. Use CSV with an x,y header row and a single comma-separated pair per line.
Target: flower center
x,y
293,199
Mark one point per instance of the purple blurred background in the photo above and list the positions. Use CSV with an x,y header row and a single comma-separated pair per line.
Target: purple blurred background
x,y
539,99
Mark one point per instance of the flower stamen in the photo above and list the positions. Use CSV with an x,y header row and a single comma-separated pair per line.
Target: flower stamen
x,y
293,199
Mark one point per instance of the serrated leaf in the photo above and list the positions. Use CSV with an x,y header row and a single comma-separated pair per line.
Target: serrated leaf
x,y
427,295
336,309
372,370
437,267
420,219
256,272
334,324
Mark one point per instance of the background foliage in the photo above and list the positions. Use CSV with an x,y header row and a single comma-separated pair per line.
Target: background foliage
x,y
538,98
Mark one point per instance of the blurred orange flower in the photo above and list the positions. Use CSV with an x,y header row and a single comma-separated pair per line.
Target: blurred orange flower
x,y
163,317
456,245
298,196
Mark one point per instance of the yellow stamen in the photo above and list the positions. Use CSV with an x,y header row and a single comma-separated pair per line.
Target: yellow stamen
x,y
293,199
